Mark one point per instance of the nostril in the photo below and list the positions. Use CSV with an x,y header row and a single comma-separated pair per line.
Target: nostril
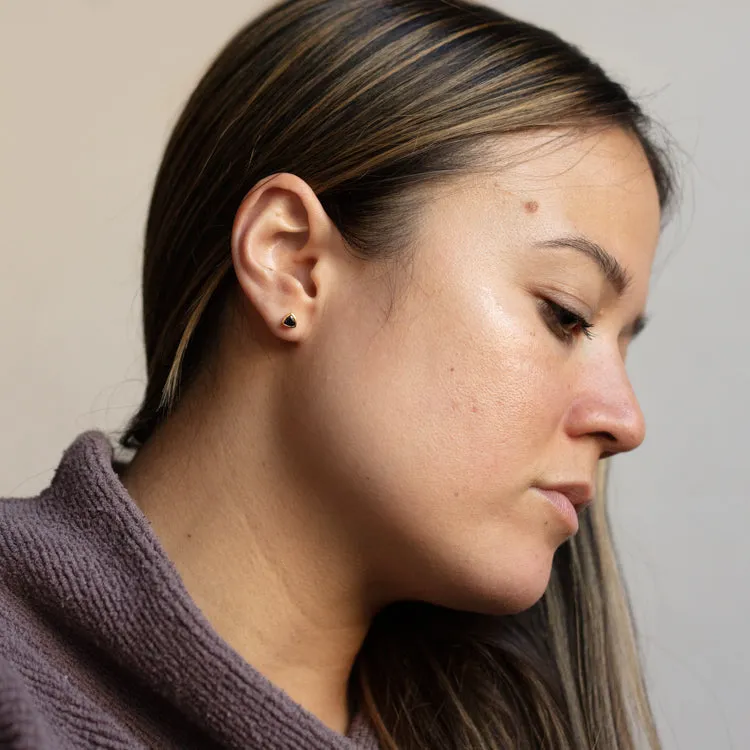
x,y
608,436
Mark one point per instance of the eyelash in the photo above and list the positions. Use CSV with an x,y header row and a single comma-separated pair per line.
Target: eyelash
x,y
558,317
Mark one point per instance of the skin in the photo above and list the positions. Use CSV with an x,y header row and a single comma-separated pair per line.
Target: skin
x,y
368,455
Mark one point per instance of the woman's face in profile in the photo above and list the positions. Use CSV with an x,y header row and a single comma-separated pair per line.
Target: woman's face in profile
x,y
481,383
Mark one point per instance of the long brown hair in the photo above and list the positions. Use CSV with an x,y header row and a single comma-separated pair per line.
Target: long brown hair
x,y
368,100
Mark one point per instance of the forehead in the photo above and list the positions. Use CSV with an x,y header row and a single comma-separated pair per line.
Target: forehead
x,y
599,185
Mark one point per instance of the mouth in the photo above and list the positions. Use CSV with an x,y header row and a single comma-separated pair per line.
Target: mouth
x,y
579,494
569,500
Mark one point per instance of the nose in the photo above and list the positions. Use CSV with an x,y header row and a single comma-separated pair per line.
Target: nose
x,y
606,408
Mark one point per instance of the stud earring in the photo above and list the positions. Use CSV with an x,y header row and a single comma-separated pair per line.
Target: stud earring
x,y
289,321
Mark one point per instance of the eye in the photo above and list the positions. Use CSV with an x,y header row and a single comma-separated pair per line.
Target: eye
x,y
564,323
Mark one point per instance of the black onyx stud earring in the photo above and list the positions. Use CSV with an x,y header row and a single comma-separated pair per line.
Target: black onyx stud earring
x,y
289,321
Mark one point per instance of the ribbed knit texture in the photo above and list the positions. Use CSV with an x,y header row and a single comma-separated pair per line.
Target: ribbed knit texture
x,y
101,646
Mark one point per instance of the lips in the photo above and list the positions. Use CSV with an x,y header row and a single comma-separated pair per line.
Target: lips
x,y
579,494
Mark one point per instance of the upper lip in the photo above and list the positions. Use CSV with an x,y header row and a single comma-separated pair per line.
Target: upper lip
x,y
580,494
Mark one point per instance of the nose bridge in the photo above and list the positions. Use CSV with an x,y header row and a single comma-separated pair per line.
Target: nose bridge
x,y
606,405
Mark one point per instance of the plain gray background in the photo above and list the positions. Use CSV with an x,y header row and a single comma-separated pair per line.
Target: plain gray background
x,y
90,90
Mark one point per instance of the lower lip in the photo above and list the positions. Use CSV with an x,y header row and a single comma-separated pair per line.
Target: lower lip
x,y
564,507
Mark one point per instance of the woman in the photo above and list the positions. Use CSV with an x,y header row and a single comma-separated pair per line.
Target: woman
x,y
395,256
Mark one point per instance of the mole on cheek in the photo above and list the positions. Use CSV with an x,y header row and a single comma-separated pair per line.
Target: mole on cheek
x,y
531,207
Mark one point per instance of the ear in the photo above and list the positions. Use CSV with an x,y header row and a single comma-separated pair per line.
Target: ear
x,y
282,241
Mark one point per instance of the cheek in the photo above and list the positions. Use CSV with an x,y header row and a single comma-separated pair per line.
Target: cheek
x,y
440,417
424,441
500,400
452,401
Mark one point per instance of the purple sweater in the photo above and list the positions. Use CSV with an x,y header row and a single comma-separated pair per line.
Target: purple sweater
x,y
101,646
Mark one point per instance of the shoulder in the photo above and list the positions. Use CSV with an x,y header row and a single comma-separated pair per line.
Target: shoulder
x,y
22,725
47,702
43,541
27,678
49,663
49,542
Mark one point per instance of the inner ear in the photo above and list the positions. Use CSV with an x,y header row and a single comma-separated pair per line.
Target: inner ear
x,y
290,222
303,271
282,213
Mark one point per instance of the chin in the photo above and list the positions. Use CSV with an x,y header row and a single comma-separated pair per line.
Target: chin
x,y
502,589
521,596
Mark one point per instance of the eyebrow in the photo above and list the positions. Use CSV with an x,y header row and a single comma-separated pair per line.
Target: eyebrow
x,y
612,269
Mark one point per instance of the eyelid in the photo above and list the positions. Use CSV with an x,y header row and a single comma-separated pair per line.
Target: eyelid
x,y
574,304
633,329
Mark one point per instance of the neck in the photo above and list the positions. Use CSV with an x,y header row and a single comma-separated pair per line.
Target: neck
x,y
263,558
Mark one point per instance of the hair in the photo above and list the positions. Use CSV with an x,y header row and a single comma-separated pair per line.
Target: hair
x,y
367,101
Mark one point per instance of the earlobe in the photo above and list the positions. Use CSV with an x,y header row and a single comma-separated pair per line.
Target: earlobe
x,y
278,234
